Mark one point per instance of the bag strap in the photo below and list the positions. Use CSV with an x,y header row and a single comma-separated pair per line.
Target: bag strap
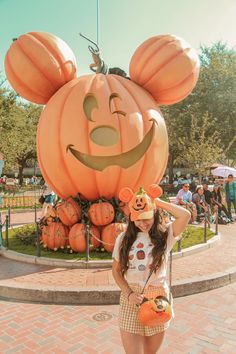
x,y
170,275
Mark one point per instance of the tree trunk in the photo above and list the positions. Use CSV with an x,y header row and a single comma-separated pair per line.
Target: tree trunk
x,y
171,167
20,176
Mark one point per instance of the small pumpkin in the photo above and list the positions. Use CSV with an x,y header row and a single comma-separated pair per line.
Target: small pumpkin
x,y
101,213
55,235
110,233
77,238
69,212
37,64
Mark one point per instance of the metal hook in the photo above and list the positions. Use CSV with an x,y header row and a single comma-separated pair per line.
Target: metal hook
x,y
92,50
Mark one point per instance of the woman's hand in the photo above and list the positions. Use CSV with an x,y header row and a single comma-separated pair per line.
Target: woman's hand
x,y
135,298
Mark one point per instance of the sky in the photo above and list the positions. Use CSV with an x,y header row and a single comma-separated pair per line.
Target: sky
x,y
123,24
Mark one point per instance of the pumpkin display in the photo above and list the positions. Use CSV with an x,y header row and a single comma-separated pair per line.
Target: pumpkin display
x,y
167,67
101,213
69,212
125,208
155,312
54,236
102,132
37,64
110,233
77,238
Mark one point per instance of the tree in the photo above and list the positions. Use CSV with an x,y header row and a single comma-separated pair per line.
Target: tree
x,y
18,124
200,150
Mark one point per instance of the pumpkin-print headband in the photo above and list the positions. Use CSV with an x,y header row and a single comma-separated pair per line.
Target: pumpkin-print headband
x,y
141,204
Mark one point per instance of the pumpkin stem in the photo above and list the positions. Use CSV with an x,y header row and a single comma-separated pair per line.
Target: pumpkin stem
x,y
98,66
140,191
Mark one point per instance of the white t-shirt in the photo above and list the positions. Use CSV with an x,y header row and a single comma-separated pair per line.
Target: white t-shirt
x,y
140,258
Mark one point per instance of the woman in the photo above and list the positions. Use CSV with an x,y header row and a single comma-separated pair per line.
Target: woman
x,y
49,196
217,200
144,245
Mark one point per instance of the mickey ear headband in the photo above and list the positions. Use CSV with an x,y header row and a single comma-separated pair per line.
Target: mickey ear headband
x,y
141,204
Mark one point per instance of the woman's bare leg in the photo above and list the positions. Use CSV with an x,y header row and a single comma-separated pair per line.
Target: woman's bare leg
x,y
133,343
153,343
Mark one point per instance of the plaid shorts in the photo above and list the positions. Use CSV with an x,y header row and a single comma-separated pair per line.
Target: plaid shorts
x,y
128,313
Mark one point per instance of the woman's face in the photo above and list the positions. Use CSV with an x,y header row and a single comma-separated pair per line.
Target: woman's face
x,y
144,225
200,191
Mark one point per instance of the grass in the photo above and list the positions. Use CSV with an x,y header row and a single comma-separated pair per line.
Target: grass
x,y
23,240
193,236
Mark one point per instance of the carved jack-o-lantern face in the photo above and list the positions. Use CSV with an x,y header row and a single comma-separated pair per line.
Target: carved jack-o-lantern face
x,y
104,133
100,133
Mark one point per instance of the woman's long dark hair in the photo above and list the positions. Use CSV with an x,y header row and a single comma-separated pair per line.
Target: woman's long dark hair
x,y
157,236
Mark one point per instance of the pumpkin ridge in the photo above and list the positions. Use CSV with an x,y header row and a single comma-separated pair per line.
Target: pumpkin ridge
x,y
62,156
94,173
26,88
121,143
52,51
170,88
43,170
152,76
144,129
35,64
178,84
140,53
146,62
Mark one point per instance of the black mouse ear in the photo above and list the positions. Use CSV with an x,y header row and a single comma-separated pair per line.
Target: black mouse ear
x,y
167,67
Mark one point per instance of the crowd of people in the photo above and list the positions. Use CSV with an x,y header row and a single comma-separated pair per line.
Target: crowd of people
x,y
203,202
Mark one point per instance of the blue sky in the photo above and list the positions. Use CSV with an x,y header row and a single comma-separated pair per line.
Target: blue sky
x,y
123,24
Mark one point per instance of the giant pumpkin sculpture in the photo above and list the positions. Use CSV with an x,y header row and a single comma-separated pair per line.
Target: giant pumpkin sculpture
x,y
99,133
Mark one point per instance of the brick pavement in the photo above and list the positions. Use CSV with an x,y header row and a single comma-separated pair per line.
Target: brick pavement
x,y
206,263
204,323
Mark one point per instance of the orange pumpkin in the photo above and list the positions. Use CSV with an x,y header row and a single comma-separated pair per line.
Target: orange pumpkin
x,y
54,235
103,132
69,212
38,64
77,238
101,213
155,312
110,233
95,141
167,67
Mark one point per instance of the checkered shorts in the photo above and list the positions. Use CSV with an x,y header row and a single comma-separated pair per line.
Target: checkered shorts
x,y
128,313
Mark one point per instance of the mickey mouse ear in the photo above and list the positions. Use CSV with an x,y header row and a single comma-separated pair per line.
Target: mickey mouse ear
x,y
126,194
167,67
37,64
154,191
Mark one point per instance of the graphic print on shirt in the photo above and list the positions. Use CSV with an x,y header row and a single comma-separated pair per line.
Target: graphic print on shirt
x,y
140,245
140,255
141,267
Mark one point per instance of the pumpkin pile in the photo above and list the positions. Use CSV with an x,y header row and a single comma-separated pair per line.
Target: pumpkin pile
x,y
74,223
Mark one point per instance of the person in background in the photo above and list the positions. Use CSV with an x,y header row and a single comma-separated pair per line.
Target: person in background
x,y
49,196
184,199
201,205
217,201
230,191
208,198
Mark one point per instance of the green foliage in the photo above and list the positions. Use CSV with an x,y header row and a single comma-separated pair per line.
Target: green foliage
x,y
18,124
27,235
209,110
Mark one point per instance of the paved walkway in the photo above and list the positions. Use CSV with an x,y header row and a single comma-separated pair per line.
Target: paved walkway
x,y
204,323
219,259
